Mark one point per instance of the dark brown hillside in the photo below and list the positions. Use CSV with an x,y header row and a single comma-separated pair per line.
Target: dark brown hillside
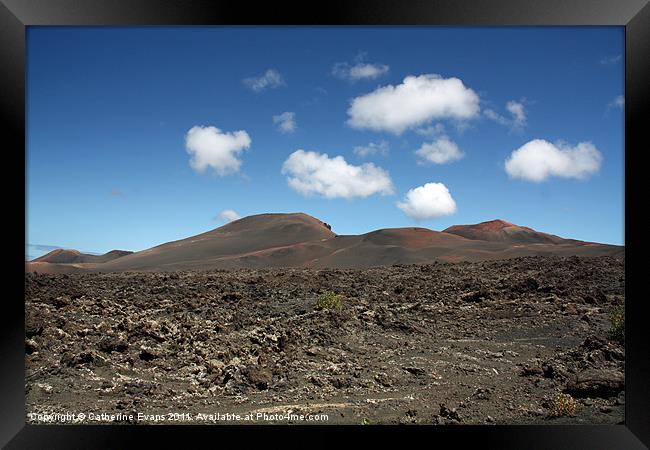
x,y
502,231
299,240
62,256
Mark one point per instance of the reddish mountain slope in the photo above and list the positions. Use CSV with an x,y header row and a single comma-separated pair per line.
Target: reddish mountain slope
x,y
299,240
62,256
502,231
236,239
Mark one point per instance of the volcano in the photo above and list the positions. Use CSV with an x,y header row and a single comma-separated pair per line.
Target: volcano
x,y
300,240
62,256
502,231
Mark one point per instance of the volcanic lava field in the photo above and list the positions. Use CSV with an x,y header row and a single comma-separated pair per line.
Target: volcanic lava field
x,y
510,341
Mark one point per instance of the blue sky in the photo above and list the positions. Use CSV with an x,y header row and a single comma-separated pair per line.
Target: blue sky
x,y
111,161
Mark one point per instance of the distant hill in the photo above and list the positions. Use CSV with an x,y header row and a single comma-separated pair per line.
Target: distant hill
x,y
299,240
502,231
62,256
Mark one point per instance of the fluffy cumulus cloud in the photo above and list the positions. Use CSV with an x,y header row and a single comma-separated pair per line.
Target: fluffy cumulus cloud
x,y
373,148
430,201
316,173
211,147
414,102
286,122
517,118
440,151
539,160
268,80
228,215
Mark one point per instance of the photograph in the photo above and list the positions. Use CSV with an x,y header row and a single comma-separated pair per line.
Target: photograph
x,y
325,225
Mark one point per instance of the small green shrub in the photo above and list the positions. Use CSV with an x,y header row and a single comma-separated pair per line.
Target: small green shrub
x,y
564,405
617,330
329,301
365,421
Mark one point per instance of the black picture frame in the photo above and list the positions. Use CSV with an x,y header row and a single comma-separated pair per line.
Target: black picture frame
x,y
16,15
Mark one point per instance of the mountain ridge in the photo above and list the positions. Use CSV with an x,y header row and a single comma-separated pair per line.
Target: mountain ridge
x,y
300,240
71,256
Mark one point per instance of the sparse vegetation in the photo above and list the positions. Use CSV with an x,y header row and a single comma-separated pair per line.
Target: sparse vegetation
x,y
258,334
329,301
617,330
564,405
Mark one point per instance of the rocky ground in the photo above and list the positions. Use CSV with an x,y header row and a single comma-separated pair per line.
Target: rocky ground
x,y
501,342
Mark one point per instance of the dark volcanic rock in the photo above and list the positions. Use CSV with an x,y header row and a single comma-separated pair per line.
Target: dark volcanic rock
x,y
417,371
30,346
527,370
475,296
596,383
527,285
79,359
112,344
148,355
259,377
448,413
407,338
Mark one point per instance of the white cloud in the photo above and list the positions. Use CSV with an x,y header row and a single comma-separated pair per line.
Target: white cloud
x,y
268,80
286,122
518,112
414,102
517,119
611,59
210,147
618,102
379,148
428,202
493,115
315,173
538,160
440,151
366,70
359,71
228,215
